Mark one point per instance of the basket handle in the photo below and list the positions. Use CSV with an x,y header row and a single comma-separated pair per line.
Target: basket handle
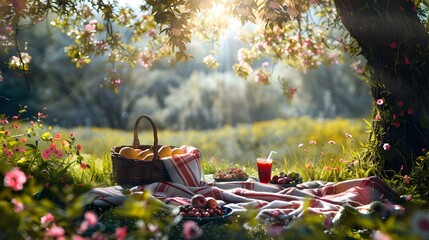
x,y
136,142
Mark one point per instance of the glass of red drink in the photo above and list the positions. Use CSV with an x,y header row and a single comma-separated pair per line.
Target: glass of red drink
x,y
264,169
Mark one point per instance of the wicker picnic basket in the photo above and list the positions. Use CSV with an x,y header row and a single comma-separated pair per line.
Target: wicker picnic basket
x,y
138,172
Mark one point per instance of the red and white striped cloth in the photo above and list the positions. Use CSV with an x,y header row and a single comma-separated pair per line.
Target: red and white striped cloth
x,y
273,202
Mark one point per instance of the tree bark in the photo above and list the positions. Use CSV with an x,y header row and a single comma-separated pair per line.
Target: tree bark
x,y
396,46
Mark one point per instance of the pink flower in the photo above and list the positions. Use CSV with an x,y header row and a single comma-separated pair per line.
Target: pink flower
x,y
348,135
400,103
191,230
331,142
121,233
47,218
301,145
407,179
15,117
83,166
57,136
397,124
72,134
410,111
46,154
407,61
55,231
328,168
312,142
40,115
91,217
377,118
393,45
17,205
15,179
386,146
378,235
265,64
380,102
79,147
394,116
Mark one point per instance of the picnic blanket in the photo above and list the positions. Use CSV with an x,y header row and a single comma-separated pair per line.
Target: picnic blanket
x,y
273,203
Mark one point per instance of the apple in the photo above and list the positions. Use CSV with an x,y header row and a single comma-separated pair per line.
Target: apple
x,y
211,203
198,201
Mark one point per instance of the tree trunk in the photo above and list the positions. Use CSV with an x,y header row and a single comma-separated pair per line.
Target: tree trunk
x,y
395,44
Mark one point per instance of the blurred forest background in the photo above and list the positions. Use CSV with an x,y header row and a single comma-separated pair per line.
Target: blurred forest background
x,y
186,96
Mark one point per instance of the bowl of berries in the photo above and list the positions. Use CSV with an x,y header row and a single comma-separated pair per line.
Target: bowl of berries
x,y
204,209
286,180
230,174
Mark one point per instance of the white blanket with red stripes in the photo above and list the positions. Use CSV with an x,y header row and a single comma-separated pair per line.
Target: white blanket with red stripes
x,y
273,202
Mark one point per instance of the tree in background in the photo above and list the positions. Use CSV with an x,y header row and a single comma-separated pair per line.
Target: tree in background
x,y
391,35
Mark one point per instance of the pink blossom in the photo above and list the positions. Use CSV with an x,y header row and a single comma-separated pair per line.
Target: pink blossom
x,y
410,111
265,64
328,168
121,233
72,134
393,45
57,136
17,205
397,124
407,61
312,142
55,231
83,166
407,179
191,230
386,146
400,103
47,218
79,147
15,117
15,179
348,135
46,154
91,217
332,142
377,118
394,116
378,235
301,145
380,101
40,115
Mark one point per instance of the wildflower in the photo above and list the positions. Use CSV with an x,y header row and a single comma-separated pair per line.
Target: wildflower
x,y
72,134
15,117
265,64
191,230
121,233
17,205
328,168
57,136
377,118
47,218
15,126
332,142
420,223
397,124
393,45
386,146
308,166
83,166
407,179
15,179
378,235
348,135
410,111
55,231
40,115
312,142
79,147
407,61
380,102
400,103
91,218
394,116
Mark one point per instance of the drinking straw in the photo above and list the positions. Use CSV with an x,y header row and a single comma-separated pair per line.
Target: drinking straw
x,y
269,156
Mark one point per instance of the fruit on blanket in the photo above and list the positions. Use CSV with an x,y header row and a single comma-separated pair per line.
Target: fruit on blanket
x,y
177,151
142,155
148,157
290,178
231,173
128,152
164,151
190,211
211,203
198,201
